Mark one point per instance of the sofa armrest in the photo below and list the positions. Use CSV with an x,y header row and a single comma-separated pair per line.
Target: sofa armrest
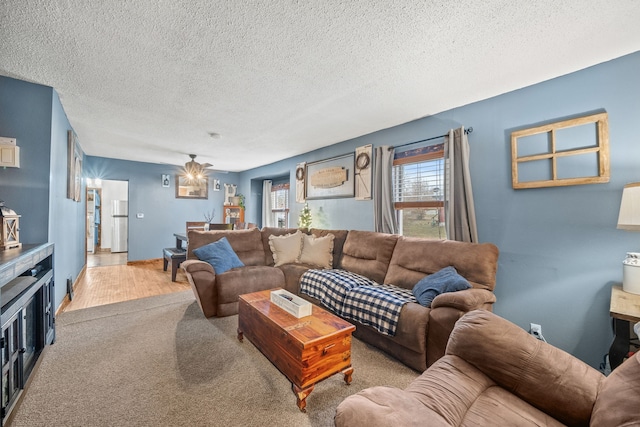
x,y
385,407
466,300
193,265
446,309
202,278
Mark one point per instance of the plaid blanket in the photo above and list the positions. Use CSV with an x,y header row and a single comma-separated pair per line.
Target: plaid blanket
x,y
357,298
331,286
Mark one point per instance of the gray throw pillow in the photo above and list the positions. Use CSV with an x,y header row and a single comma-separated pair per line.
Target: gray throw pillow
x,y
445,280
220,255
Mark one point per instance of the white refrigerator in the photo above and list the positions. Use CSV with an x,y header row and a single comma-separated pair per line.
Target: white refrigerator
x,y
119,225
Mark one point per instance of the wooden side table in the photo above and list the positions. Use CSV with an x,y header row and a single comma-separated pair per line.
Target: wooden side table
x,y
625,308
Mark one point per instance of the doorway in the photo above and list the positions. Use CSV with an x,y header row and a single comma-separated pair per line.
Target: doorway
x,y
107,222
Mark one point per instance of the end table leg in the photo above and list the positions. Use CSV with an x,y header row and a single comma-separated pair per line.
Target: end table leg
x,y
620,345
347,374
301,396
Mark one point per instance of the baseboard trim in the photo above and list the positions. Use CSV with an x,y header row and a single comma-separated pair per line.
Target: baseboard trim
x,y
66,300
144,261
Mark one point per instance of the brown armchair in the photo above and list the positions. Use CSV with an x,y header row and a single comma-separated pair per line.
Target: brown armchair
x,y
496,374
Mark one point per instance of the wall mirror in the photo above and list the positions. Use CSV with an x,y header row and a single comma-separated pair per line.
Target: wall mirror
x,y
192,188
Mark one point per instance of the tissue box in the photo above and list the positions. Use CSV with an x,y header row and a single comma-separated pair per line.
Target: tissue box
x,y
291,303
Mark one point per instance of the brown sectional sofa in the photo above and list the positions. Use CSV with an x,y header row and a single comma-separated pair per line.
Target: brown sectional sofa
x,y
422,332
495,374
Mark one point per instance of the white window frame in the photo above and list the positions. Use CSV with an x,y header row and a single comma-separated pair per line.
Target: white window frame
x,y
425,198
278,210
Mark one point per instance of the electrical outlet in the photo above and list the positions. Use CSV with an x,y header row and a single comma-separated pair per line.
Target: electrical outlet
x,y
536,331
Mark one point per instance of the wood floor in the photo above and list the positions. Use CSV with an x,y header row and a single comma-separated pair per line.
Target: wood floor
x,y
109,283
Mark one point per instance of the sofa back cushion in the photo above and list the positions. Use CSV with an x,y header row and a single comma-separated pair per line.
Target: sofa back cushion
x,y
546,377
338,242
368,253
247,244
414,258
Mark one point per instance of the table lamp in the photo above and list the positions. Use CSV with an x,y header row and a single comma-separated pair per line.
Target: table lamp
x,y
629,219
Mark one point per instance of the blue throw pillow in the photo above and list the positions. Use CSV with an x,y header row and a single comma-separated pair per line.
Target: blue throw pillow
x,y
220,255
445,280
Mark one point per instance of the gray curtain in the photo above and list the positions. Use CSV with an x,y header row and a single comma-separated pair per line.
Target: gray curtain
x,y
459,208
384,214
267,216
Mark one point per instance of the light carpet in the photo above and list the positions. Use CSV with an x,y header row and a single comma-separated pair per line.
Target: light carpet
x,y
159,362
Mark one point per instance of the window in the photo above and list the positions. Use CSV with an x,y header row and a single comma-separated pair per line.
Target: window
x,y
280,205
418,189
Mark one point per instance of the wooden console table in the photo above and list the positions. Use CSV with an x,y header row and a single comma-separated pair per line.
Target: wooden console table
x,y
625,308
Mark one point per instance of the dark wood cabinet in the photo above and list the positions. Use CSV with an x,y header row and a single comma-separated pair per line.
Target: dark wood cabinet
x,y
27,317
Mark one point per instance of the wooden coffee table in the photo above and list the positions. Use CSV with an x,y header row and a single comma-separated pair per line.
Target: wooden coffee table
x,y
306,350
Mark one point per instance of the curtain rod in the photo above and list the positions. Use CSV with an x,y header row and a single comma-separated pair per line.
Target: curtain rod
x,y
466,131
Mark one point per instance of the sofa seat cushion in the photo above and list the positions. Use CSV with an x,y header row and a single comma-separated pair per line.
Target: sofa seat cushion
x,y
245,280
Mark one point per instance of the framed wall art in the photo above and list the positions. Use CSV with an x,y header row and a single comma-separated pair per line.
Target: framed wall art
x,y
330,179
192,188
74,167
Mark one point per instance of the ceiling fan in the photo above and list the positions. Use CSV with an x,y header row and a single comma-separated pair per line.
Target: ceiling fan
x,y
195,170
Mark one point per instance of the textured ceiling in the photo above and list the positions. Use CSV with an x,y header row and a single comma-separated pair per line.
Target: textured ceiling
x,y
148,80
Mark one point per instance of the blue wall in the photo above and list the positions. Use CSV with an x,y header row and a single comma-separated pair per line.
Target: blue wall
x,y
37,190
164,214
69,239
560,249
25,114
